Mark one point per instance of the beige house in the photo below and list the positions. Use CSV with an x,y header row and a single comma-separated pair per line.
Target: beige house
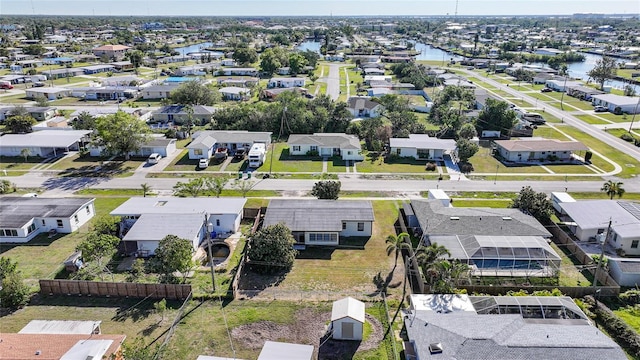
x,y
116,52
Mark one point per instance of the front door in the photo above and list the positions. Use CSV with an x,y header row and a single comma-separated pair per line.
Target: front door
x,y
347,330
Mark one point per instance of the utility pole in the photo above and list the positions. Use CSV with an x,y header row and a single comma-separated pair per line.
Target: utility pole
x,y
208,227
635,110
606,236
564,90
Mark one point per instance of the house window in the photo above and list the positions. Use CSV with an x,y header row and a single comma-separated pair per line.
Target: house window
x,y
75,218
197,151
344,225
423,153
32,227
88,211
170,117
217,222
313,148
59,222
634,244
323,237
43,222
296,148
398,152
360,226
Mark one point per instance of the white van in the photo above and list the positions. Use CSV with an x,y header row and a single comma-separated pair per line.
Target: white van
x,y
154,158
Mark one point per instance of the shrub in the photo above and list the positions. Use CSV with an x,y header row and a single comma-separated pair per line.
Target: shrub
x,y
618,329
466,167
627,137
617,110
313,153
431,166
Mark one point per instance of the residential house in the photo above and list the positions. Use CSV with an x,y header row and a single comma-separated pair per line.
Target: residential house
x,y
373,71
97,69
112,52
205,143
157,144
122,65
60,346
372,78
548,51
177,114
62,73
493,242
343,145
625,104
234,71
286,82
589,219
240,82
561,84
422,147
49,93
197,69
36,112
127,80
347,319
158,91
104,93
536,149
29,64
234,93
23,218
583,92
273,350
147,220
626,272
321,222
463,83
45,143
360,106
271,94
459,326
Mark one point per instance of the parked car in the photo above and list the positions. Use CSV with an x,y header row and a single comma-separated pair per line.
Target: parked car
x,y
600,109
534,118
39,84
154,158
221,153
203,163
546,89
240,154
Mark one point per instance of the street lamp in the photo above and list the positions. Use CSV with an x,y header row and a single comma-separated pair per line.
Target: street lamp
x,y
209,230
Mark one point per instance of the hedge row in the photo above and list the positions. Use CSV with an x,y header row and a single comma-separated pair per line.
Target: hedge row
x,y
618,329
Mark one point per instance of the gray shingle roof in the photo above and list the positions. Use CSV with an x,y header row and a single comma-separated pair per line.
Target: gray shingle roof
x,y
335,140
203,140
359,102
435,219
17,211
209,138
540,145
317,215
176,205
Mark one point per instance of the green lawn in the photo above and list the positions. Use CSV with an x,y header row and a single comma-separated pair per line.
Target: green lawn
x,y
283,162
591,119
597,118
18,162
548,132
492,203
337,165
42,258
569,274
484,162
629,165
630,316
380,164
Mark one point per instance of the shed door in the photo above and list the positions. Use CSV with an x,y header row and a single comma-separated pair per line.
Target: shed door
x,y
347,330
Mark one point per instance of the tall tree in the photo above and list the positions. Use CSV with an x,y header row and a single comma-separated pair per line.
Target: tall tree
x,y
135,57
271,249
111,131
174,255
297,62
216,185
244,56
326,189
98,247
467,131
84,121
13,292
395,245
604,69
534,203
25,153
20,124
269,62
146,188
612,189
466,149
496,116
192,188
194,92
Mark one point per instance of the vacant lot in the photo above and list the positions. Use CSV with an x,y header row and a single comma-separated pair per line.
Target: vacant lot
x,y
77,165
374,163
281,161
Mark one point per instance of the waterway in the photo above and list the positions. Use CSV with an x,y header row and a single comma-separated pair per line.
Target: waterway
x,y
309,45
196,48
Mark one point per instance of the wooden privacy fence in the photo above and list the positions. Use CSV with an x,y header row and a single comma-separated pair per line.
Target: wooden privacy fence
x,y
115,289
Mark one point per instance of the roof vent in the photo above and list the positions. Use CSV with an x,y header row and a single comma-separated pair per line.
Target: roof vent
x,y
454,218
435,348
506,218
38,352
161,203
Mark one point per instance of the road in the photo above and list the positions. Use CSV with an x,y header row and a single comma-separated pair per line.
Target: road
x,y
333,81
566,116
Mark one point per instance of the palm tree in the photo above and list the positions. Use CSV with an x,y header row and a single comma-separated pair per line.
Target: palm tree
x,y
25,153
429,258
145,189
613,188
397,243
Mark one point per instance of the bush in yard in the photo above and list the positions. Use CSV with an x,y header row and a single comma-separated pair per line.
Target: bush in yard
x,y
534,203
326,190
6,187
465,167
14,292
313,153
271,249
616,327
627,137
174,255
431,166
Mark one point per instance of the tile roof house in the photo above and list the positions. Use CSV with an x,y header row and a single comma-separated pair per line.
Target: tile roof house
x,y
60,346
590,218
45,143
115,52
147,220
205,143
326,144
321,222
422,147
536,149
502,328
23,218
360,106
496,242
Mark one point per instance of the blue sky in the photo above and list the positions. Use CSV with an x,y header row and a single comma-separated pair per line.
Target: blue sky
x,y
315,7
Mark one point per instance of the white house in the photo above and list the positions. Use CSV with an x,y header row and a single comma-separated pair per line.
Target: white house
x,y
205,142
533,149
590,219
158,91
347,319
238,71
326,144
561,84
422,147
361,106
157,144
558,198
45,143
369,78
147,220
321,222
49,93
627,104
625,272
235,93
23,218
286,82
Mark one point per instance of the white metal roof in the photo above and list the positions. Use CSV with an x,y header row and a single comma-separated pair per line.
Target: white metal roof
x,y
563,196
87,349
595,214
61,327
177,205
421,141
273,350
44,138
348,307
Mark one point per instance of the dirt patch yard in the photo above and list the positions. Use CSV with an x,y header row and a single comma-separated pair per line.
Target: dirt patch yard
x,y
309,327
